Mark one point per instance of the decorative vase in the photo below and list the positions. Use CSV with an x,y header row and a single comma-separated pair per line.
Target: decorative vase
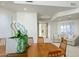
x,y
20,46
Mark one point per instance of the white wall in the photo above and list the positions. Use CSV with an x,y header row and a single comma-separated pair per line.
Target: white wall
x,y
6,17
5,21
53,29
11,45
29,20
49,39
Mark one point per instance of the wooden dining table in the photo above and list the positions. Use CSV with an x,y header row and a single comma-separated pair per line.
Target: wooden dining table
x,y
37,50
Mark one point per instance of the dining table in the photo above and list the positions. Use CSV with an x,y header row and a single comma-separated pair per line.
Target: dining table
x,y
37,50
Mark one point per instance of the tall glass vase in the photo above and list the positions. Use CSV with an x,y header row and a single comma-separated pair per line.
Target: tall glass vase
x,y
20,46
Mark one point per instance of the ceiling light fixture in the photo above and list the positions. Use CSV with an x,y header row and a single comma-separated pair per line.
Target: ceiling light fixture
x,y
69,16
59,19
44,16
23,2
25,9
29,1
73,4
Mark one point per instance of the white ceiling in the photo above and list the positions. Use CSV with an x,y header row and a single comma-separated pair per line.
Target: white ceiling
x,y
51,3
68,17
45,9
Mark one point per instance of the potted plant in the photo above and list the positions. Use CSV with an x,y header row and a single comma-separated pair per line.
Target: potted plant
x,y
21,35
22,42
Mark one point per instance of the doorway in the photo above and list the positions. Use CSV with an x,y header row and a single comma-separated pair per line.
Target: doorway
x,y
43,30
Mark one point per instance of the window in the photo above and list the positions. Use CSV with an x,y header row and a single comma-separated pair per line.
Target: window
x,y
67,28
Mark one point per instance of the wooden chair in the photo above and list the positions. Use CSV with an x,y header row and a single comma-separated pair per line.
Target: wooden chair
x,y
2,46
63,45
30,40
40,40
56,53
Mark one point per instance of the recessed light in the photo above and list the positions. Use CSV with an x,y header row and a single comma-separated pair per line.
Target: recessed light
x,y
59,19
25,9
44,16
69,16
73,4
29,1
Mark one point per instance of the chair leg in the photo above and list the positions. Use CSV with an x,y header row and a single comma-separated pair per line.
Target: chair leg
x,y
64,55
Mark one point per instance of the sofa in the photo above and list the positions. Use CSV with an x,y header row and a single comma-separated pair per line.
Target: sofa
x,y
71,40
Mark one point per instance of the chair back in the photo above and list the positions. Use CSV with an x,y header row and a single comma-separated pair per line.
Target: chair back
x,y
63,45
30,40
56,53
2,46
40,40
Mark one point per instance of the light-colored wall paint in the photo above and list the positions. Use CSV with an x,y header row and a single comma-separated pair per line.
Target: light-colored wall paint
x,y
11,45
53,29
5,21
6,17
49,39
29,20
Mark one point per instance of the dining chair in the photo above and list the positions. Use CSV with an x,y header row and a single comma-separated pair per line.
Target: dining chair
x,y
2,46
30,40
63,45
40,40
56,53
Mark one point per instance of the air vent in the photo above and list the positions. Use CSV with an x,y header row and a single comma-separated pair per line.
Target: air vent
x,y
73,4
29,1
